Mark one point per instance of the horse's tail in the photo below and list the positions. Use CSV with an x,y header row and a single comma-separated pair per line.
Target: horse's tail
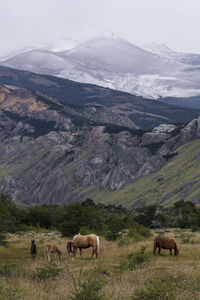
x,y
98,242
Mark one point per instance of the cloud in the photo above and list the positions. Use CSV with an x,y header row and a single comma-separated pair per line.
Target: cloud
x,y
173,22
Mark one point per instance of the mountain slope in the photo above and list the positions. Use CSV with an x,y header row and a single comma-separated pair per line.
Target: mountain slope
x,y
178,180
50,153
137,110
118,64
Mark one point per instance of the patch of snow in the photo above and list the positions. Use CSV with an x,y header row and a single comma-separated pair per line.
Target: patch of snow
x,y
164,128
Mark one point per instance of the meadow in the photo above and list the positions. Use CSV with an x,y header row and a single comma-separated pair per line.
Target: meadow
x,y
125,270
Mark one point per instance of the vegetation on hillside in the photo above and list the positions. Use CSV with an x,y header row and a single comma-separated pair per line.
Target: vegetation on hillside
x,y
108,221
177,180
180,215
114,223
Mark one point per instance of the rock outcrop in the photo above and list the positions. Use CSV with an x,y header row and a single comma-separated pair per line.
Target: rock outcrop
x,y
52,154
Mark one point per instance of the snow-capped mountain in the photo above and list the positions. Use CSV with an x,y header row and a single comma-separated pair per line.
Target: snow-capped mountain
x,y
153,72
61,45
156,48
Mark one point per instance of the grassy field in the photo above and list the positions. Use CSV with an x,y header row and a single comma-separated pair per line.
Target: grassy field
x,y
125,271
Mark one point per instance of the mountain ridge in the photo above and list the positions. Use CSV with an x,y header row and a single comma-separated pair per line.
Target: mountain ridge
x,y
120,65
50,153
142,112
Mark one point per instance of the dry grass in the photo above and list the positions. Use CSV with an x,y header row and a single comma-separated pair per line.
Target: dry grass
x,y
164,277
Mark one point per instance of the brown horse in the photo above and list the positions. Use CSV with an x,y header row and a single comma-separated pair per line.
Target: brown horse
x,y
70,249
83,242
166,244
51,249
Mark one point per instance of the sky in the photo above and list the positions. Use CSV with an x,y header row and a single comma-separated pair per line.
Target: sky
x,y
25,23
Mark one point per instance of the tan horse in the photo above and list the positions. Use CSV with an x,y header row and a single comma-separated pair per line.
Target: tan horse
x,y
51,249
166,244
85,241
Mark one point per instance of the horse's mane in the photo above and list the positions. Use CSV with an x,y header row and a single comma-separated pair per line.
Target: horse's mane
x,y
76,236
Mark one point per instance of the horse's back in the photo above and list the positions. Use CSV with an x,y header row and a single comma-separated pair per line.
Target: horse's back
x,y
165,243
85,241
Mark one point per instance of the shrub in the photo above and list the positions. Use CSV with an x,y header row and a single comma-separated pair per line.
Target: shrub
x,y
124,241
49,271
88,289
157,289
134,260
101,270
3,241
137,258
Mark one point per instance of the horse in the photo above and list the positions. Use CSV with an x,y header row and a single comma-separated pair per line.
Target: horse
x,y
51,249
33,249
83,242
70,250
166,244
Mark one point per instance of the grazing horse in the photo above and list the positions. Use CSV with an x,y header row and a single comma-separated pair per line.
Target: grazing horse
x,y
51,249
83,242
166,244
70,249
33,249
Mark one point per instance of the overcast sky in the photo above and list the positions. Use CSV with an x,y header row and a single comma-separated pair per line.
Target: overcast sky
x,y
175,23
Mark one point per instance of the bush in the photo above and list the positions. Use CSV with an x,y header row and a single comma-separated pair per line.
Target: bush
x,y
48,271
3,241
134,260
157,289
124,241
138,258
101,270
88,289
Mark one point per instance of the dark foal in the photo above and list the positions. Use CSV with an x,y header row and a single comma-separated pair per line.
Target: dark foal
x,y
166,244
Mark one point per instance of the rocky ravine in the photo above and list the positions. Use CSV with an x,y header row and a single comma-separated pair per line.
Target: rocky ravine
x,y
51,155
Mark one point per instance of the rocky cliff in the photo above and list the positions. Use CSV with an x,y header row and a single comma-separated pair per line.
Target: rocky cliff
x,y
51,153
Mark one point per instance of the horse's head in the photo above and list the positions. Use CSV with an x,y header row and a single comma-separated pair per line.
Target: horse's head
x,y
176,252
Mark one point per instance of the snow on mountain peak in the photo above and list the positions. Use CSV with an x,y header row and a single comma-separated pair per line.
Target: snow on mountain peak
x,y
152,71
61,45
156,48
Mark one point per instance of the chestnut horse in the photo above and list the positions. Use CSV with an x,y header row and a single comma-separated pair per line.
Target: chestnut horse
x,y
166,244
83,242
51,249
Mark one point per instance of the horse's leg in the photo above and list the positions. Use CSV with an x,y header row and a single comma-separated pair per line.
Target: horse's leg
x,y
74,251
154,248
93,251
170,250
48,257
159,249
80,249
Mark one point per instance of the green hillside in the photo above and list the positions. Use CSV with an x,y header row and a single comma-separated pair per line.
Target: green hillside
x,y
178,179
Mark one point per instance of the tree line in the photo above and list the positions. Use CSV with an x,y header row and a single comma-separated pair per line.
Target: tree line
x,y
105,220
85,217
